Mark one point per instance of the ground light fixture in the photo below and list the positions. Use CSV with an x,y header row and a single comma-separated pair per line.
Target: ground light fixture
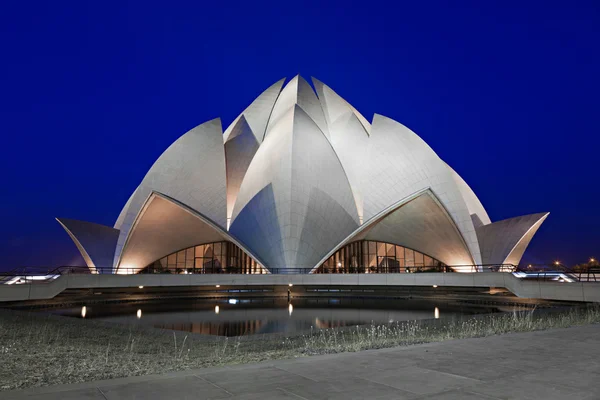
x,y
435,286
290,284
140,287
218,286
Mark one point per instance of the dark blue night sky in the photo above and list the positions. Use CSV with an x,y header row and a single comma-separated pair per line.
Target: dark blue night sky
x,y
507,93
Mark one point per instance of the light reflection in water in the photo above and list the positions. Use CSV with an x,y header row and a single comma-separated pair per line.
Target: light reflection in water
x,y
290,309
216,309
83,311
139,313
436,313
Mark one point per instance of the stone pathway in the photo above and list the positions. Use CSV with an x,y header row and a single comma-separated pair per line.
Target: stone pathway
x,y
555,364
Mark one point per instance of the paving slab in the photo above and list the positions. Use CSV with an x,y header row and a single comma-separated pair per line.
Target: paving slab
x,y
553,364
183,388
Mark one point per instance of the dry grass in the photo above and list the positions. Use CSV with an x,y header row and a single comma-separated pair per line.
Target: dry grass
x,y
38,350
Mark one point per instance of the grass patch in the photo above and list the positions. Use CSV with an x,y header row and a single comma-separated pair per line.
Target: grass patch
x,y
38,349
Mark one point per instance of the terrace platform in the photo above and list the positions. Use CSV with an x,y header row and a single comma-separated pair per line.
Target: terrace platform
x,y
523,288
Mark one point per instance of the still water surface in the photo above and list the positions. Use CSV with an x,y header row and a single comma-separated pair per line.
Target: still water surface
x,y
236,317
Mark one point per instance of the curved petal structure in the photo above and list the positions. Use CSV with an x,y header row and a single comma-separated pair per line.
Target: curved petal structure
x,y
257,114
400,164
335,107
240,148
299,174
163,227
298,93
348,137
297,192
191,171
504,242
123,212
422,223
95,242
478,214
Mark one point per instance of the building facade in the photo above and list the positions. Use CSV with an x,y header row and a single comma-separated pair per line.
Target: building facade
x,y
301,182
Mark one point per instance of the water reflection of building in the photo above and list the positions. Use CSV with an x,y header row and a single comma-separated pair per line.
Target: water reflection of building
x,y
233,328
328,324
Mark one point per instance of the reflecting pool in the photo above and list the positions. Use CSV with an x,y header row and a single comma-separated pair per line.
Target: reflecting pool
x,y
237,317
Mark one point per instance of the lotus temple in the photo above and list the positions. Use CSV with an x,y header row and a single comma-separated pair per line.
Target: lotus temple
x,y
301,182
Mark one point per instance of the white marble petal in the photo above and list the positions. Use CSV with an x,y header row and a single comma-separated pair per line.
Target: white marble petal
x,y
191,171
504,242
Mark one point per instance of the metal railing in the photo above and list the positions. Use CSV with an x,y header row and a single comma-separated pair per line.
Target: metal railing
x,y
559,271
23,275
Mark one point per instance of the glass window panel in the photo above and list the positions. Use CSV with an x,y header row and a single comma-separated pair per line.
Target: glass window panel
x,y
163,262
189,254
372,260
217,249
172,260
409,257
200,251
390,250
372,248
208,250
400,252
380,249
189,263
428,261
181,260
199,264
418,259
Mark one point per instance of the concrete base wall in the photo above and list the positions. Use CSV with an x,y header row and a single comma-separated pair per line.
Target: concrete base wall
x,y
565,291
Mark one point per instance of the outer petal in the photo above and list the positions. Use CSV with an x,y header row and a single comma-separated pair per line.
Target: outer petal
x,y
301,211
423,224
123,212
163,227
401,163
504,242
419,222
191,171
95,242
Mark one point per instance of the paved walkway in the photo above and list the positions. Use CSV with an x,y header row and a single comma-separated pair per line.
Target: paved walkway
x,y
557,364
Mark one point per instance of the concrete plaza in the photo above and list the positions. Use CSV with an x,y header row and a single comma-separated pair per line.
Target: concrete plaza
x,y
554,364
